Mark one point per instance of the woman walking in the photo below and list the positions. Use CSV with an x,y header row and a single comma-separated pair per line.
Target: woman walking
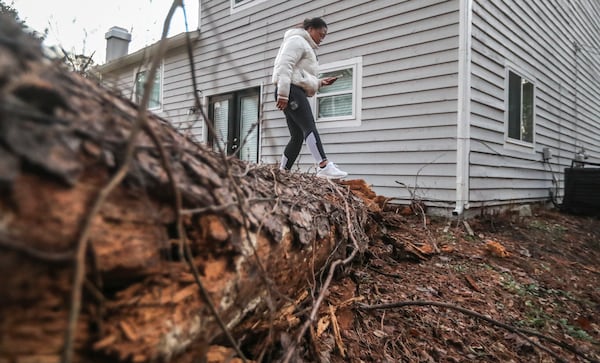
x,y
295,76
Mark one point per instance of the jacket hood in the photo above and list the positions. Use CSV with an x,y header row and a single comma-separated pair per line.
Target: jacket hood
x,y
301,33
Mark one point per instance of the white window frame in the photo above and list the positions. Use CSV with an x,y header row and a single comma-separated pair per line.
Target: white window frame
x,y
160,75
511,143
245,4
343,121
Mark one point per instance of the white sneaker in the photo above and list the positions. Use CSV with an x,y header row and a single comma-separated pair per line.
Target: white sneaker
x,y
331,171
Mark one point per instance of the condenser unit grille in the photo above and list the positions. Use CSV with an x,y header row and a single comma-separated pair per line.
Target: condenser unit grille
x,y
582,191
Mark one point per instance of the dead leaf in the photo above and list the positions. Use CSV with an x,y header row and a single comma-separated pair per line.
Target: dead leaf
x,y
472,284
583,323
426,249
496,249
447,249
379,333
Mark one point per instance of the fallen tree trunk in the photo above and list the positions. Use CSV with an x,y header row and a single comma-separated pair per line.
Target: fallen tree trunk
x,y
258,236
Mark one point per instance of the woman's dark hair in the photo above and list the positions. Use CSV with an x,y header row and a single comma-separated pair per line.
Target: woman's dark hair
x,y
316,23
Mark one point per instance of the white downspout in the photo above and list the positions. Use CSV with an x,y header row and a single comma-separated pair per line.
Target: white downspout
x,y
464,106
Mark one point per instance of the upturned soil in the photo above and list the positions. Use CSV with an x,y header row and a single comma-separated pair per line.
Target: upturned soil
x,y
500,288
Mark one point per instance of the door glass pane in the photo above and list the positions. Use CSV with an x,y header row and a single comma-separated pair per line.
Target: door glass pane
x,y
249,128
220,119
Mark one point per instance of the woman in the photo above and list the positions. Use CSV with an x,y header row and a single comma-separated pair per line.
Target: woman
x,y
295,77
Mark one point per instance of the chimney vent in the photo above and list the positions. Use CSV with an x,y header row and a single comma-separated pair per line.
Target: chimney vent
x,y
117,43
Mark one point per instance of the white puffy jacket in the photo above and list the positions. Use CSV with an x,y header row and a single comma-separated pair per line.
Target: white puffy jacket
x,y
296,63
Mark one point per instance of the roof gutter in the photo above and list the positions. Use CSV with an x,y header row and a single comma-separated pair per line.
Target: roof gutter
x,y
145,53
464,106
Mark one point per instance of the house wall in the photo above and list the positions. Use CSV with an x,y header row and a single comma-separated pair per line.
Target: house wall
x,y
178,99
121,82
409,84
409,51
539,39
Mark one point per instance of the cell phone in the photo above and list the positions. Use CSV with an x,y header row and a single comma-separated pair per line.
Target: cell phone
x,y
339,75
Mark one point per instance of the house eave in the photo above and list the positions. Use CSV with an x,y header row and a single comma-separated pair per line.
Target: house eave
x,y
138,56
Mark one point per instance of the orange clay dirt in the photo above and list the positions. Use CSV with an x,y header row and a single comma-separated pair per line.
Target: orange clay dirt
x,y
538,273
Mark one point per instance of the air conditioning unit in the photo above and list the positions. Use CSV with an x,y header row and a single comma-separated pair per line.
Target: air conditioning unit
x,y
582,189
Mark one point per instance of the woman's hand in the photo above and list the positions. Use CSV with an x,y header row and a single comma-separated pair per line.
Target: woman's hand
x,y
282,103
328,81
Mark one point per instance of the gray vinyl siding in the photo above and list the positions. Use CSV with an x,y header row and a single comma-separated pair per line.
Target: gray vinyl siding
x,y
409,85
538,37
120,82
409,53
177,96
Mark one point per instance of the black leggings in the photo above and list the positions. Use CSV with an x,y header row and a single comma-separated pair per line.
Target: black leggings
x,y
301,123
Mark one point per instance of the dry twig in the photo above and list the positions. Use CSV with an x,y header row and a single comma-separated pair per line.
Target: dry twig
x,y
6,241
79,275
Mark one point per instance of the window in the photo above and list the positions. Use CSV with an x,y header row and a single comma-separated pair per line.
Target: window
x,y
155,100
521,108
237,5
339,105
235,119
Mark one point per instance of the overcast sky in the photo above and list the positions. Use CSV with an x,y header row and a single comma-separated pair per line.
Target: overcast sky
x,y
80,26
